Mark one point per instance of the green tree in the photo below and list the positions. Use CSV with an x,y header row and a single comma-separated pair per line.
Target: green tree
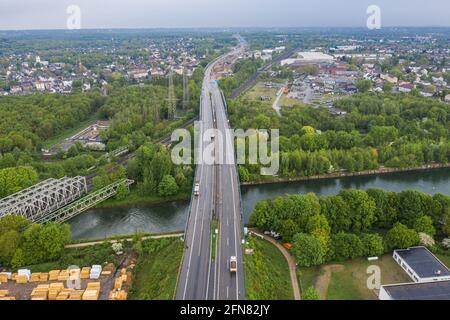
x,y
425,224
400,237
362,209
308,250
373,245
262,216
122,192
168,186
311,293
52,239
13,180
364,85
345,246
337,212
288,230
9,243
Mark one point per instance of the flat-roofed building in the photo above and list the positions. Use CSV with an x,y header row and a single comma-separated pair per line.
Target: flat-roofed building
x,y
416,291
421,265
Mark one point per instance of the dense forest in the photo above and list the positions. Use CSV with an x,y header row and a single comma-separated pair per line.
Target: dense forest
x,y
29,120
138,116
394,130
354,223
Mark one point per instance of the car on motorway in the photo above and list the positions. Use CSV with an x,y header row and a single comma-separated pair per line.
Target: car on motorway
x,y
233,264
197,189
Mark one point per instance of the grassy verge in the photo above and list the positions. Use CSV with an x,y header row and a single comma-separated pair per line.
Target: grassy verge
x,y
156,272
214,237
70,132
348,280
82,257
267,273
134,198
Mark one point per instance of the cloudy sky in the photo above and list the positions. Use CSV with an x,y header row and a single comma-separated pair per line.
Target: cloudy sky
x,y
51,14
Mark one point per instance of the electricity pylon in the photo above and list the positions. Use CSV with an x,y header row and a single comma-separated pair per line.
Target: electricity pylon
x,y
172,100
185,89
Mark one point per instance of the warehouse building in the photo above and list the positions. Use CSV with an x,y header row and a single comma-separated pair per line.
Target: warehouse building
x,y
436,290
431,277
421,265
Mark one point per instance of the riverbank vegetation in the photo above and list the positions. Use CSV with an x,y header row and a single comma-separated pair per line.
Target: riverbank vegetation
x,y
156,272
354,223
23,243
376,129
266,272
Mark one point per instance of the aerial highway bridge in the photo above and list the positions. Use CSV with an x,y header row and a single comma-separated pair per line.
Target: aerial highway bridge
x,y
201,276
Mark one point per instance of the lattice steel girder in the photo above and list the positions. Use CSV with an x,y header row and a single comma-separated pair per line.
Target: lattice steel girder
x,y
44,197
85,203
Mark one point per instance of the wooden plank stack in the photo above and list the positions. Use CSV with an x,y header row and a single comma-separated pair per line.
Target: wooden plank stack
x,y
76,295
85,272
43,277
64,294
35,277
54,290
3,293
40,292
3,278
118,295
53,275
92,291
63,275
22,279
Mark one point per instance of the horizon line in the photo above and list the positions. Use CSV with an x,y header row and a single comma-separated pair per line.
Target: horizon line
x,y
227,27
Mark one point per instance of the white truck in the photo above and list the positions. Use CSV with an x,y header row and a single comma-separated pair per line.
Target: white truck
x,y
233,264
197,189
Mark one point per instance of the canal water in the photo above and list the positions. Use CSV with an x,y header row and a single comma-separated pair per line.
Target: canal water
x,y
103,223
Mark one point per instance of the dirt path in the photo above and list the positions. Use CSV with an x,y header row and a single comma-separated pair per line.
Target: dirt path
x,y
276,104
290,260
323,281
93,243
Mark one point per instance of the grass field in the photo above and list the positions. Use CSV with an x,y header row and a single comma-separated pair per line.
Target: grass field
x,y
82,257
266,273
348,280
70,132
259,90
156,273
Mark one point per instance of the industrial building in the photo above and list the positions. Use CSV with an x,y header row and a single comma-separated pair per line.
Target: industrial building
x,y
431,277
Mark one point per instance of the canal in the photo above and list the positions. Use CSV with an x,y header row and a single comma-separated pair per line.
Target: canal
x,y
102,223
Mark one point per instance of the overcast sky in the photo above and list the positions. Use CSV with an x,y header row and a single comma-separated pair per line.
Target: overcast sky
x,y
51,14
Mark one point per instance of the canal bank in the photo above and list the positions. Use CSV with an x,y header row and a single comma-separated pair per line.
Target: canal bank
x,y
171,217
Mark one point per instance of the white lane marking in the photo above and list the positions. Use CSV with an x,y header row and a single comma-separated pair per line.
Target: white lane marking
x,y
192,243
235,231
193,237
228,242
227,292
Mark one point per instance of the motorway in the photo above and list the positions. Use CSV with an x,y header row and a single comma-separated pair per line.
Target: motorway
x,y
201,277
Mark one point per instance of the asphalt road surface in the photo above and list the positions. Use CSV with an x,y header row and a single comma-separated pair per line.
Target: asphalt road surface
x,y
201,277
